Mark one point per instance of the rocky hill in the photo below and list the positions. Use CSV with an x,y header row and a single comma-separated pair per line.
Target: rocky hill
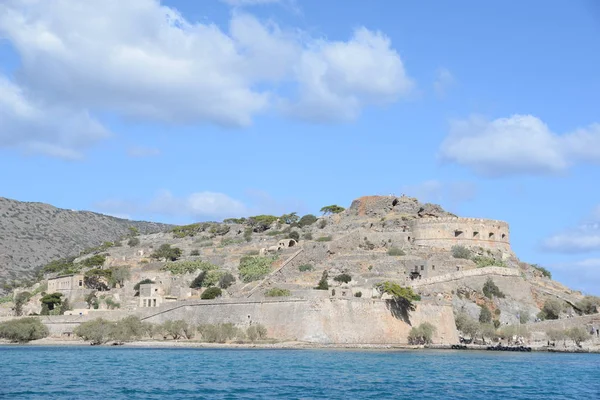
x,y
32,234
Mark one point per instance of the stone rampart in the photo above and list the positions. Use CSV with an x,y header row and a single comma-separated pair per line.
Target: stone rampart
x,y
454,276
471,232
564,323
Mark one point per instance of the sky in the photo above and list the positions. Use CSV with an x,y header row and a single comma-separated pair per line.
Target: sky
x,y
183,111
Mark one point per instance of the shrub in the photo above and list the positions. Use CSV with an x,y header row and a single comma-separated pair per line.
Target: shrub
x,y
95,261
305,267
261,223
308,236
323,285
195,253
289,219
543,270
136,287
343,278
128,329
177,329
97,331
490,289
20,300
248,234
119,275
588,305
277,292
358,294
133,242
98,279
461,252
324,239
556,334
220,333
253,268
332,209
307,220
211,293
394,251
50,301
485,315
229,242
167,253
466,324
404,296
23,330
188,266
552,309
294,235
226,280
422,334
482,261
578,335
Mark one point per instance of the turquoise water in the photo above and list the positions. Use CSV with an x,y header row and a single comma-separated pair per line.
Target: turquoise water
x,y
136,373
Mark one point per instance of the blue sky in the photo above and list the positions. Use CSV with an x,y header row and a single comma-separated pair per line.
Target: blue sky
x,y
180,111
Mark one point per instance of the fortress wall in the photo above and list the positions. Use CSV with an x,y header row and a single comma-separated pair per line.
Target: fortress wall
x,y
565,323
471,232
454,276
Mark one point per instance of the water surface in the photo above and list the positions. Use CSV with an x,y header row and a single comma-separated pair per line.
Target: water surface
x,y
28,372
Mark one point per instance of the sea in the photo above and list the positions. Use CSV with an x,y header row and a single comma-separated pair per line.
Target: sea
x,y
61,372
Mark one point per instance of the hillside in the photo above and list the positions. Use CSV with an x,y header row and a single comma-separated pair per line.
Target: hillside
x,y
32,234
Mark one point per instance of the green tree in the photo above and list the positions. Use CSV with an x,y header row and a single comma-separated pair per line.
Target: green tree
x,y
490,289
119,275
588,305
132,242
403,296
226,280
461,252
20,300
343,278
307,220
277,292
128,329
261,223
467,325
211,293
177,329
97,331
289,219
97,260
50,301
167,253
422,334
23,330
485,315
332,209
294,235
323,284
552,309
198,281
578,335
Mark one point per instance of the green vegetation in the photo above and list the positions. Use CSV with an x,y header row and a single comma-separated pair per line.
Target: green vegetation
x,y
111,304
551,309
307,220
177,329
6,299
461,252
485,315
211,293
333,209
226,280
50,302
324,239
97,279
358,294
188,230
588,305
543,270
253,268
305,267
395,251
261,223
97,260
578,335
294,235
404,296
198,281
482,261
167,253
256,332
119,275
188,266
229,241
23,330
136,287
323,284
248,234
20,300
467,325
277,292
422,334
221,333
490,289
239,221
289,219
133,242
308,236
195,253
343,278
60,266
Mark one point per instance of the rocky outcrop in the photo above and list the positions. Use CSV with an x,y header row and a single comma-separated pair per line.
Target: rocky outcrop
x,y
380,206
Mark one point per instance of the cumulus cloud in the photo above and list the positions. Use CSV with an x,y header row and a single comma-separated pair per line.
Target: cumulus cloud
x,y
144,60
36,127
142,152
443,82
582,239
520,144
240,3
583,274
435,191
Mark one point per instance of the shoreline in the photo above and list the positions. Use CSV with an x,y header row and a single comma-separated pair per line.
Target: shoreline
x,y
191,344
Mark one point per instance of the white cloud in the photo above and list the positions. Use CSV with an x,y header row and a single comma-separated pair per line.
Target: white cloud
x,y
520,144
583,239
443,82
141,152
140,59
438,192
241,3
35,127
583,274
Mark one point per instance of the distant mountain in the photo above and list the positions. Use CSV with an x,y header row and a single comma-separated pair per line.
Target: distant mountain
x,y
32,234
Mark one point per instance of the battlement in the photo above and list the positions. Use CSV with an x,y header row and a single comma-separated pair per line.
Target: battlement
x,y
460,219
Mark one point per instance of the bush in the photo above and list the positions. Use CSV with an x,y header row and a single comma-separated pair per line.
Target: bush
x,y
111,304
556,334
543,270
188,266
177,329
20,300
221,333
97,331
119,275
95,261
422,334
226,280
332,209
253,268
278,292
195,253
307,220
488,262
323,285
578,335
136,287
305,267
358,294
211,293
133,242
403,296
461,252
394,251
167,253
324,239
343,278
466,324
308,236
23,330
490,289
255,332
294,235
197,282
128,329
588,305
261,223
248,234
552,309
51,301
485,315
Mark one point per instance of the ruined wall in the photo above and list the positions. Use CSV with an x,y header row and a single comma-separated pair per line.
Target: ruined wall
x,y
471,232
455,276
